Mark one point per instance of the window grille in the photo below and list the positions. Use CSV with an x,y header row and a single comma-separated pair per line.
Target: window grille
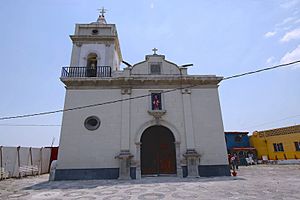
x,y
278,147
297,146
155,68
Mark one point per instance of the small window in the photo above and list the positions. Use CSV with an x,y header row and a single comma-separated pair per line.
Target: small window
x,y
95,31
155,68
156,101
278,147
275,147
92,123
297,146
238,138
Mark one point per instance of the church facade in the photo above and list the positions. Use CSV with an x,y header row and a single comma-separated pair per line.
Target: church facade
x,y
149,119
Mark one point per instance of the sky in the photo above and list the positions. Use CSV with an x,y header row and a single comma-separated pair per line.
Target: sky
x,y
219,37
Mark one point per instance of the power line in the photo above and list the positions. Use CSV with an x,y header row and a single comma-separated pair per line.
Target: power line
x,y
57,125
270,122
141,96
31,125
261,70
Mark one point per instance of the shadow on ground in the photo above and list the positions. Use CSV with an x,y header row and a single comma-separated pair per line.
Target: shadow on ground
x,y
148,181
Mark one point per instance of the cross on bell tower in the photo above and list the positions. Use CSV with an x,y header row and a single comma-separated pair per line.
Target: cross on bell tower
x,y
102,11
154,51
101,18
95,45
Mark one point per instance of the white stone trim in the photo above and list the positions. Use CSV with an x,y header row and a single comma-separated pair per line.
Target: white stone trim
x,y
143,127
95,52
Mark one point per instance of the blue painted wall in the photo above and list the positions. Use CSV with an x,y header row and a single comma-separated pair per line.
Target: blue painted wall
x,y
231,142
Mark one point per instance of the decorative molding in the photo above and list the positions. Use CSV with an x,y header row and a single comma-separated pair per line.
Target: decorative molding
x,y
126,91
143,82
138,144
124,154
191,153
125,158
186,91
177,144
192,159
78,44
157,114
90,38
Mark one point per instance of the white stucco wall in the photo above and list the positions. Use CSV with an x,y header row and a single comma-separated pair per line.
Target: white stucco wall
x,y
81,148
167,68
106,55
208,126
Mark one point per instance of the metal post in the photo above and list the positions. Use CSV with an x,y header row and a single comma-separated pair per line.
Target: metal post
x,y
41,160
19,164
1,164
30,154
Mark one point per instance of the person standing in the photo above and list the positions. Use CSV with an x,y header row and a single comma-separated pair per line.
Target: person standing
x,y
233,162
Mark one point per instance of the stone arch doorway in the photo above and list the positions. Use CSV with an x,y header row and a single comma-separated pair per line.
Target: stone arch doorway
x,y
158,154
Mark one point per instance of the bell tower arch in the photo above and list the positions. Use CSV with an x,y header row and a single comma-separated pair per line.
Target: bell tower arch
x,y
94,41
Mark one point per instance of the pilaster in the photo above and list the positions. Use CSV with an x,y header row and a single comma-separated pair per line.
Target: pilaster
x,y
192,158
138,160
188,120
178,159
125,156
125,124
125,163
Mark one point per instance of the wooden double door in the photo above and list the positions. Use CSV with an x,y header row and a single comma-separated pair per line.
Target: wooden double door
x,y
158,154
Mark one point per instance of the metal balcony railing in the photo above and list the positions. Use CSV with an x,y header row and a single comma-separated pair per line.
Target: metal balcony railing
x,y
99,71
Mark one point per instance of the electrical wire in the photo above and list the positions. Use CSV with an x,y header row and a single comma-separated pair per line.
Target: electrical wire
x,y
261,70
31,125
270,122
141,96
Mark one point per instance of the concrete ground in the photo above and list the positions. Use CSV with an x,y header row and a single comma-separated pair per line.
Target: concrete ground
x,y
253,182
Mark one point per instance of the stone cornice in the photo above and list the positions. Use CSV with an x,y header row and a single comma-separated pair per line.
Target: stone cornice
x,y
142,82
86,39
92,38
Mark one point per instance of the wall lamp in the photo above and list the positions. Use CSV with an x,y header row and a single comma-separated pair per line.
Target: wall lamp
x,y
186,65
127,64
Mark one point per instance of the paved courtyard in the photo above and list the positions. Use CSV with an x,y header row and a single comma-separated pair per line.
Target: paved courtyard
x,y
253,182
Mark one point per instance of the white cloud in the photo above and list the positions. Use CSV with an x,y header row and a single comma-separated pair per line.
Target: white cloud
x,y
270,34
270,60
292,56
152,5
297,21
285,21
292,35
289,4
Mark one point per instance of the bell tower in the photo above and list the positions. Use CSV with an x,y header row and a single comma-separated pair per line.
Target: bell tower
x,y
95,45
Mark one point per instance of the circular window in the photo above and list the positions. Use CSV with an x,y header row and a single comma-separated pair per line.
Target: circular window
x,y
92,123
95,31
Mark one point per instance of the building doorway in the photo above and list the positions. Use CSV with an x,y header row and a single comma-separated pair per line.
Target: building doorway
x,y
158,154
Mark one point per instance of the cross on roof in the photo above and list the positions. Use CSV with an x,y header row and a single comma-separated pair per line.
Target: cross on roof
x,y
154,51
102,11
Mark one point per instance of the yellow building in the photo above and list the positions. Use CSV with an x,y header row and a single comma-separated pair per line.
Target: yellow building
x,y
277,144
